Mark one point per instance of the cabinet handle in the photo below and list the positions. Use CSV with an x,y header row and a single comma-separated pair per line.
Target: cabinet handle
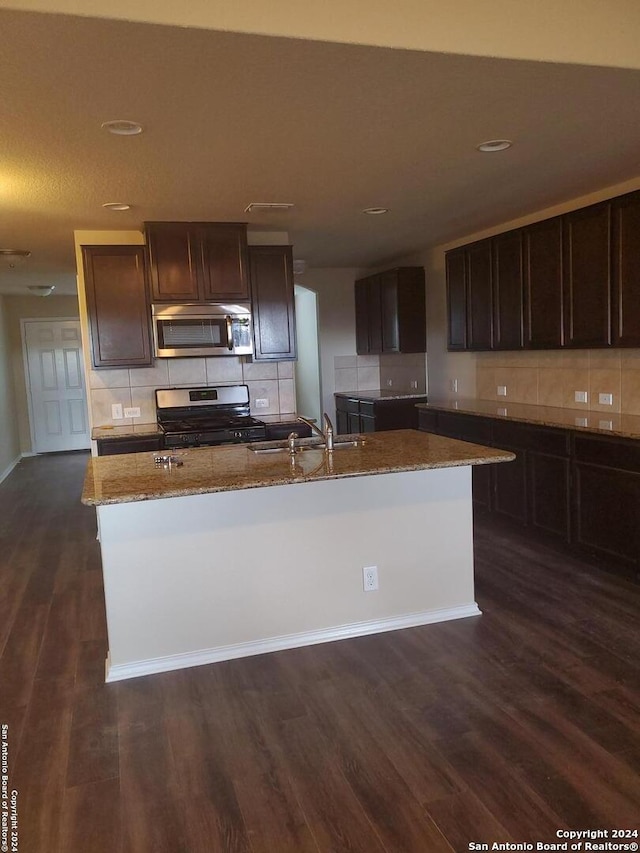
x,y
229,332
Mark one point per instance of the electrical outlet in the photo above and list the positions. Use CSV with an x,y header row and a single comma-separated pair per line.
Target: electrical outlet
x,y
390,383
605,399
116,411
133,412
453,385
370,578
581,397
605,424
501,410
502,390
262,403
414,384
582,422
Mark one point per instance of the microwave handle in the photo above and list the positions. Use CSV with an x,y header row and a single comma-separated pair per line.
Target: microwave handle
x,y
229,332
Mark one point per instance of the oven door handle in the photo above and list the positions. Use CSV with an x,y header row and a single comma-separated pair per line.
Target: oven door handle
x,y
229,332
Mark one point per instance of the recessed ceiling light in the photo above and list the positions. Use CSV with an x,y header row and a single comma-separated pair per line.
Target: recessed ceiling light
x,y
375,211
494,145
121,127
116,205
267,205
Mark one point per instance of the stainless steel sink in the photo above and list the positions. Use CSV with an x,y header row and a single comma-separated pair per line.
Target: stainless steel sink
x,y
304,445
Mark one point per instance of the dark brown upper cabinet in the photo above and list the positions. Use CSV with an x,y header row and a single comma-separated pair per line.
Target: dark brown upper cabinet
x,y
456,272
479,295
117,306
391,312
508,291
274,332
198,261
625,301
542,250
368,315
587,276
469,303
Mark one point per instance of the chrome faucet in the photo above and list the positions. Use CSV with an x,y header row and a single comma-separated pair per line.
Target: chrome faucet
x,y
327,435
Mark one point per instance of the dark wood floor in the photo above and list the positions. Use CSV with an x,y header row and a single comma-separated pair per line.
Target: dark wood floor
x,y
507,726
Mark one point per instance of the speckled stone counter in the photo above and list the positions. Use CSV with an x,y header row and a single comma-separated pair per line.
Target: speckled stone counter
x,y
627,426
128,431
135,477
380,394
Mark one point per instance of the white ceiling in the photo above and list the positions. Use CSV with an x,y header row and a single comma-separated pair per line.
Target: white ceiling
x,y
233,118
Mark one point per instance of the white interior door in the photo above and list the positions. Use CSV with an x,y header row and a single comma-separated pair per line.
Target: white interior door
x,y
55,378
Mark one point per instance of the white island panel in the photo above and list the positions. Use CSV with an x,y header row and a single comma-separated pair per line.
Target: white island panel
x,y
202,578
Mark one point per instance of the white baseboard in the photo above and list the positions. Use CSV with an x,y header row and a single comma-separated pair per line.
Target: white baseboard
x,y
290,641
8,470
28,454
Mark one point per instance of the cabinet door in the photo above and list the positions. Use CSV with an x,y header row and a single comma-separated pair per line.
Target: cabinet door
x,y
456,271
224,258
542,246
607,516
175,261
342,422
411,309
353,422
389,311
374,297
626,271
508,291
587,261
273,307
362,316
480,319
549,490
117,305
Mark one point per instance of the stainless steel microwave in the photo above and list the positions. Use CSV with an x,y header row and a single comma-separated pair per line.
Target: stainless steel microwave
x,y
203,330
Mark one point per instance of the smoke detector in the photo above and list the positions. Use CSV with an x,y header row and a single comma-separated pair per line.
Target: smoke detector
x,y
11,258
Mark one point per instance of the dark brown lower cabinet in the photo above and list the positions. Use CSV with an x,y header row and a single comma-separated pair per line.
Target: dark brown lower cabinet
x,y
607,497
533,491
357,415
116,446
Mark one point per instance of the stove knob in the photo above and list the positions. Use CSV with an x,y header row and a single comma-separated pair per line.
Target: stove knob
x,y
184,438
237,434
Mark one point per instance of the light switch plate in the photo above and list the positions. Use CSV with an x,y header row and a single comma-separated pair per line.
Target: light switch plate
x,y
262,403
605,399
133,412
453,385
502,390
581,397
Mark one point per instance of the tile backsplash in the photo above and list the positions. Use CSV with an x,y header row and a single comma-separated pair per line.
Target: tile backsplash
x,y
135,387
552,378
394,371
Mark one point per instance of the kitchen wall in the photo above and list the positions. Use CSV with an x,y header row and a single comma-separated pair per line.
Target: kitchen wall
x,y
549,377
136,386
337,323
23,308
9,443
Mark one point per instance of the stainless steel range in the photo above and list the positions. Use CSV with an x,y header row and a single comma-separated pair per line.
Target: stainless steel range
x,y
199,417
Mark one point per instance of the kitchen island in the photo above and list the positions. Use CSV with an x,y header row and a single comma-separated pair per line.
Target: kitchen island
x,y
236,553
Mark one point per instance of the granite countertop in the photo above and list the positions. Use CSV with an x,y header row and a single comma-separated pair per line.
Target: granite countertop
x,y
588,420
135,477
107,431
382,394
